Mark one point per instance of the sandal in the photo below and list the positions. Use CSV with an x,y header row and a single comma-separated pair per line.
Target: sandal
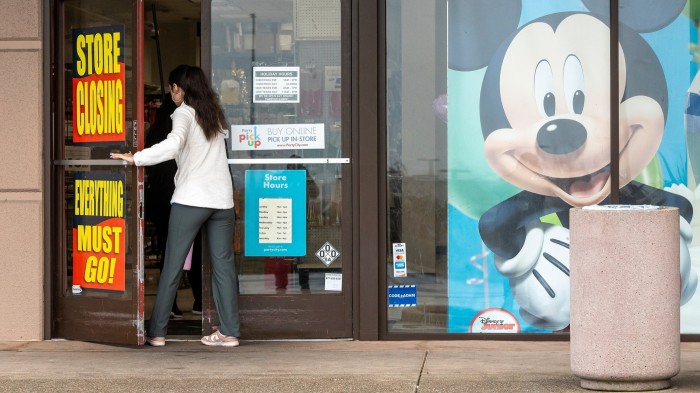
x,y
155,341
218,339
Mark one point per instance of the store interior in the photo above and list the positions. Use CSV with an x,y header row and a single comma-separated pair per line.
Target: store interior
x,y
172,37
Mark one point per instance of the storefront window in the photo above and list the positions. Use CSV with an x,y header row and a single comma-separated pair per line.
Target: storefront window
x,y
277,68
417,165
479,189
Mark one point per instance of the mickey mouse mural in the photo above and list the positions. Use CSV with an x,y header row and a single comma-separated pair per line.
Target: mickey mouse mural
x,y
544,115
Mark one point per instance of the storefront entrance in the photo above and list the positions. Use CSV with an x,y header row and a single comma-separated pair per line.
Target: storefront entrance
x,y
366,208
280,78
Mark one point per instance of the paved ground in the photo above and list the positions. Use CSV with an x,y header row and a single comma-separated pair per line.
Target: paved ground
x,y
303,366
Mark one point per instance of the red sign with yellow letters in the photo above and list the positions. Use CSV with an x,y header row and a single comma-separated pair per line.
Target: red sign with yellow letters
x,y
99,231
99,85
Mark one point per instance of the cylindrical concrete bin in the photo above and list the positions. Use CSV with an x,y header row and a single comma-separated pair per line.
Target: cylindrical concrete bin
x,y
625,297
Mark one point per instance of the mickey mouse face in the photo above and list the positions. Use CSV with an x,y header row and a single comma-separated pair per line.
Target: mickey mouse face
x,y
554,87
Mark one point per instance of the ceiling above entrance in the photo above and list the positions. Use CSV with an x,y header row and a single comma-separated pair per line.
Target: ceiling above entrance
x,y
170,11
188,10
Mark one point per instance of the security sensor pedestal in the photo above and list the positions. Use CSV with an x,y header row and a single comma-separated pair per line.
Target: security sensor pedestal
x,y
625,297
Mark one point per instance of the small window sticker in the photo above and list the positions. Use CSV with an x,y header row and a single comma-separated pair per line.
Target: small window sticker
x,y
327,253
334,282
494,320
402,295
399,253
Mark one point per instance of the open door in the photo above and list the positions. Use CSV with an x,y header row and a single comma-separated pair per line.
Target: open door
x,y
97,264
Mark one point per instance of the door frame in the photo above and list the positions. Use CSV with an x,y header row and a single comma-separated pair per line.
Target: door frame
x,y
48,181
109,329
369,147
263,311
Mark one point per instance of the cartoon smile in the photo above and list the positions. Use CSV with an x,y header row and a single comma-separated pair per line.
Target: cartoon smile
x,y
583,186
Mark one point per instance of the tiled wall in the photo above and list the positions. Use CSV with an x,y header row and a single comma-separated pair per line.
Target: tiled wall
x,y
21,177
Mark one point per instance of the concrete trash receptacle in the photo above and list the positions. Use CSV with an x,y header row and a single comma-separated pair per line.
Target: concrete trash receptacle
x,y
625,297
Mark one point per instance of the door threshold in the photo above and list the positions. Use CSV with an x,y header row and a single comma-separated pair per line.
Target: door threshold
x,y
185,338
302,340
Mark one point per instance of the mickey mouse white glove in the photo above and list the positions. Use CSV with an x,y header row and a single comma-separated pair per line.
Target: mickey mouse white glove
x,y
539,276
689,277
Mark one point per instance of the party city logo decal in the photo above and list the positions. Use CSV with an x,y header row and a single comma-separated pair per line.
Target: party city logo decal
x,y
249,138
494,320
277,136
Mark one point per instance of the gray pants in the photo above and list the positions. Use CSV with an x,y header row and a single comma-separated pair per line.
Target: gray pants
x,y
185,222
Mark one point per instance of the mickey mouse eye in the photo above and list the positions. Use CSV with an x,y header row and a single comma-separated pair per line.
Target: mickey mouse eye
x,y
544,89
573,84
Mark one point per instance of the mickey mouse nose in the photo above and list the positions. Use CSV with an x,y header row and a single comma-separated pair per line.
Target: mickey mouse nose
x,y
561,136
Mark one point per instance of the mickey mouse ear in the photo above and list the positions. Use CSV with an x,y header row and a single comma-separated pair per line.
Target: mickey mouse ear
x,y
477,29
643,16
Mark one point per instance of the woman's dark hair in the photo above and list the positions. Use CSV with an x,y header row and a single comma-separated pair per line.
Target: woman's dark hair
x,y
200,96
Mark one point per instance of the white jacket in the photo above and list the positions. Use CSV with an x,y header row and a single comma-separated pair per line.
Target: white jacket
x,y
203,178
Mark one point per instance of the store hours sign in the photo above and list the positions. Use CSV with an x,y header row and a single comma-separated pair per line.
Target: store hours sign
x,y
275,213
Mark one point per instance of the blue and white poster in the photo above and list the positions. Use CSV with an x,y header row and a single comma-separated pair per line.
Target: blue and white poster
x,y
529,138
275,213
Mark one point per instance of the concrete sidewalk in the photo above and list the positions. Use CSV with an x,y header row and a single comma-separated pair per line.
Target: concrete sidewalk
x,y
303,366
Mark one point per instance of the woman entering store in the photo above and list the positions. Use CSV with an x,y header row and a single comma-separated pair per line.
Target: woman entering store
x,y
203,198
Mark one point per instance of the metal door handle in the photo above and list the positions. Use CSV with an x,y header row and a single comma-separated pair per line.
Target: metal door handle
x,y
240,161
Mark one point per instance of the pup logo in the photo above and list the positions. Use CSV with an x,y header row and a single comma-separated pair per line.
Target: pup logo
x,y
250,137
494,320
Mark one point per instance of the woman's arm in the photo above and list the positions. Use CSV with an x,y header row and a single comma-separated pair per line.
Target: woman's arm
x,y
168,148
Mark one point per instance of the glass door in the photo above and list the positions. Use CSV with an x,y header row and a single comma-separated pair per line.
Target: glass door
x,y
98,223
278,68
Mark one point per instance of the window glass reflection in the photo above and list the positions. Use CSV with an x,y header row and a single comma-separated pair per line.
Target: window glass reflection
x,y
277,68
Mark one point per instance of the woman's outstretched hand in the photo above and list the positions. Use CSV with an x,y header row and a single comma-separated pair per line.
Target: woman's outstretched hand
x,y
128,157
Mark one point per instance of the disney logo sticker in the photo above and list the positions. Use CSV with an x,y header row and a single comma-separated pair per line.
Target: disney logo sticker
x,y
494,320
